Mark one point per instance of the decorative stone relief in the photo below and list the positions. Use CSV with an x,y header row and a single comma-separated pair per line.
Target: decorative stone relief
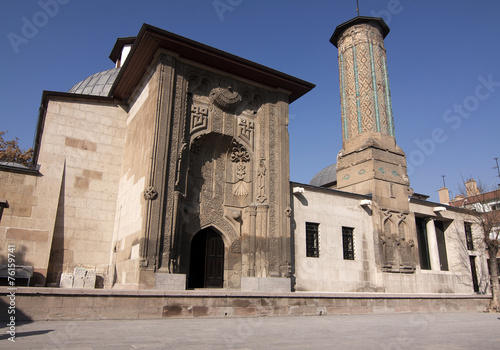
x,y
199,118
240,157
246,130
150,193
261,182
397,251
224,98
406,255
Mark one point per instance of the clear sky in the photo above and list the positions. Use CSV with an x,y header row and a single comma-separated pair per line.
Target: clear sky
x,y
443,59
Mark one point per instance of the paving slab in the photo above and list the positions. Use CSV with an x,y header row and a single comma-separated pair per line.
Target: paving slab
x,y
385,332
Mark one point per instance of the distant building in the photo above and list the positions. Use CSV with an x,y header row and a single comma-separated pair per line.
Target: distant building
x,y
171,171
487,203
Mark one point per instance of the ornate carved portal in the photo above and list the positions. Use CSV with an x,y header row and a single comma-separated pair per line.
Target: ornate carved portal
x,y
397,249
219,166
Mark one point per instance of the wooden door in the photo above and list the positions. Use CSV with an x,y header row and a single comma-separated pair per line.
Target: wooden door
x,y
214,263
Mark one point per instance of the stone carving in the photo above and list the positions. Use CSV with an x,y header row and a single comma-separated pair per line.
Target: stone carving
x,y
397,252
246,130
388,252
288,212
66,280
89,281
199,118
224,98
150,193
240,157
406,255
365,95
199,85
261,182
79,277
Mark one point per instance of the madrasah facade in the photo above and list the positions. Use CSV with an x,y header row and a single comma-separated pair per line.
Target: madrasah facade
x,y
171,171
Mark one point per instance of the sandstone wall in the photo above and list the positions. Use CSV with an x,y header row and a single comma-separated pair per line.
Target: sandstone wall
x,y
28,224
133,179
83,140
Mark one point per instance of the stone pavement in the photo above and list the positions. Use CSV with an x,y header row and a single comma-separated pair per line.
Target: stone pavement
x,y
391,331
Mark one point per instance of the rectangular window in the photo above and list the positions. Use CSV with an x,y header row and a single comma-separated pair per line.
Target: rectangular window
x,y
440,237
312,240
348,242
468,236
423,246
475,282
3,204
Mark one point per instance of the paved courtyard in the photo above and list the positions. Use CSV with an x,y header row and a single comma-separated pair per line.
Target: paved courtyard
x,y
394,331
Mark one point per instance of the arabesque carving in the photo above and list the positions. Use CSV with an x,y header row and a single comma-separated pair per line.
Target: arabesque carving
x,y
240,157
224,98
199,118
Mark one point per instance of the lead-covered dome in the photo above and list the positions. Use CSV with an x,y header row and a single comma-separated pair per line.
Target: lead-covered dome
x,y
326,177
97,84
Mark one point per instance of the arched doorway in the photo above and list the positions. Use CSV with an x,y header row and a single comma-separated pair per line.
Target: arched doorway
x,y
206,266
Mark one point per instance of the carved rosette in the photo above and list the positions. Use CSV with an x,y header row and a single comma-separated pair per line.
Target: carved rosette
x,y
224,98
150,193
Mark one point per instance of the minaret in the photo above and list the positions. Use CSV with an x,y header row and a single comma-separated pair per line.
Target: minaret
x,y
370,160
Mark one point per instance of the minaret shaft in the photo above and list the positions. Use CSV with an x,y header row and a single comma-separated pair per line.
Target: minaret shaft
x,y
364,84
370,160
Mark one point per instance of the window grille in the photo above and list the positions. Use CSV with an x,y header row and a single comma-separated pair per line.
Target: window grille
x,y
312,240
348,242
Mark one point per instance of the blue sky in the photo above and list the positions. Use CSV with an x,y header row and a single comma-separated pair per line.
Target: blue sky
x,y
443,59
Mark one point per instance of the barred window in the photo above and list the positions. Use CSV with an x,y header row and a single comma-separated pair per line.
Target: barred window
x,y
312,240
468,236
348,242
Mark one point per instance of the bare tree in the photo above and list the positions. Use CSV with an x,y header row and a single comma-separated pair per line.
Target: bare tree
x,y
10,152
485,206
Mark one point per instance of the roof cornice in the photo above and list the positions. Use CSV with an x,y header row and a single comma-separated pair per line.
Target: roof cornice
x,y
150,39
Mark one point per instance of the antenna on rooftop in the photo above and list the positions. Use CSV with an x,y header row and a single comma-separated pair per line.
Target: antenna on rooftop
x,y
357,6
497,167
444,182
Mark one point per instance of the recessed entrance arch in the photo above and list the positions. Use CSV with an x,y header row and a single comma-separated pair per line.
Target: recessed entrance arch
x,y
206,266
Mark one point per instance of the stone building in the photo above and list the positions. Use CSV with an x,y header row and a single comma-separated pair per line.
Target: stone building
x,y
171,171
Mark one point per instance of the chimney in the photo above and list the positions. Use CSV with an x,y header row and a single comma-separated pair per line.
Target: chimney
x,y
123,56
471,188
444,195
121,50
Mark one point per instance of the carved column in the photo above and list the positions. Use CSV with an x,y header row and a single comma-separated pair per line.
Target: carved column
x,y
252,211
262,242
433,245
155,193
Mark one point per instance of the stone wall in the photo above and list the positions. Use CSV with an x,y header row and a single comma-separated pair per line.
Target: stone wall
x,y
330,272
28,224
55,304
83,140
135,173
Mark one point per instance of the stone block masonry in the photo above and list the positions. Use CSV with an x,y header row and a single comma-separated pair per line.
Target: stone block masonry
x,y
95,304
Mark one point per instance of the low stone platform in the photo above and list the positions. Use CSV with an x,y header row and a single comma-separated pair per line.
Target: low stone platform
x,y
95,304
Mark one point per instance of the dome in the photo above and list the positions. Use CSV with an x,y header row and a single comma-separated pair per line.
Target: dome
x,y
326,177
98,84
